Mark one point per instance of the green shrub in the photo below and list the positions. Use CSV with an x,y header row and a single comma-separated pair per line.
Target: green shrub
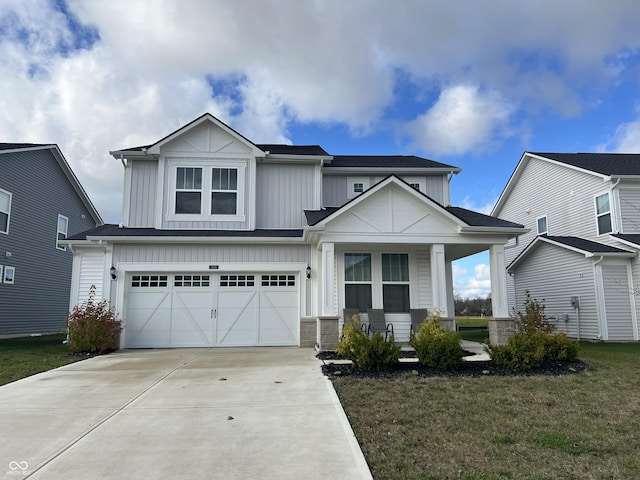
x,y
534,341
436,347
367,353
93,327
560,348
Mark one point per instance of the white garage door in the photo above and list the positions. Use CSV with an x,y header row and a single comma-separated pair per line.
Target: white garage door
x,y
202,310
257,310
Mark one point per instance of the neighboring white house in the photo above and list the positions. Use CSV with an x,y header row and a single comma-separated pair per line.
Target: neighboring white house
x,y
581,252
227,243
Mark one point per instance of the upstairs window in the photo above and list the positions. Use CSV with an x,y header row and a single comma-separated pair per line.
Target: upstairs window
x,y
224,191
603,214
63,226
542,226
5,210
356,185
189,190
207,190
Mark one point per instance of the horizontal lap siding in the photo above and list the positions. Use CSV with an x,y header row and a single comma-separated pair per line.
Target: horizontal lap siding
x,y
629,199
425,295
283,192
202,253
38,301
617,302
554,274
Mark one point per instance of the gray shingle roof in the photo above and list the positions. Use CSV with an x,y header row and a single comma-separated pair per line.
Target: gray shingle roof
x,y
603,163
476,219
385,161
585,245
15,146
631,238
278,149
111,230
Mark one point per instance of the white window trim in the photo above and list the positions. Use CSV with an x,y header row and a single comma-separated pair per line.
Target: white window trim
x,y
420,181
13,275
207,164
598,215
546,222
7,212
1,274
352,181
58,232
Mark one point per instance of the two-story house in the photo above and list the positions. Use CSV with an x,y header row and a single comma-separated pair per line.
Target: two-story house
x,y
41,204
225,242
580,254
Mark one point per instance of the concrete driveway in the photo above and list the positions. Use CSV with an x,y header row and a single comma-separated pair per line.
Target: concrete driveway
x,y
181,413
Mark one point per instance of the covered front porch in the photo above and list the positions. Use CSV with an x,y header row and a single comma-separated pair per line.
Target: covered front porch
x,y
392,249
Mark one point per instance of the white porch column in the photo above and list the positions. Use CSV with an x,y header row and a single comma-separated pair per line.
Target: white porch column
x,y
451,303
328,287
439,279
498,272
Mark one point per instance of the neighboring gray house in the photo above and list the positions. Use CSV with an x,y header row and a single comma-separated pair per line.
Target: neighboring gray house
x,y
41,203
227,243
581,253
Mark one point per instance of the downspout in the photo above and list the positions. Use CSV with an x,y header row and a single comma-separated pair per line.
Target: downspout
x,y
122,161
577,309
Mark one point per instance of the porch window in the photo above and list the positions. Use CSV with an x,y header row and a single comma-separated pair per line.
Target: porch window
x,y
395,282
603,214
357,276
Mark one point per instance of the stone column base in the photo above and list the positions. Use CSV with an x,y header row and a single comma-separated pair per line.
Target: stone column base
x,y
327,333
308,333
448,323
500,329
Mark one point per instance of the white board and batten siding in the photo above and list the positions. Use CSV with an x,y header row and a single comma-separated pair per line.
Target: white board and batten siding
x,y
283,192
618,307
141,210
555,274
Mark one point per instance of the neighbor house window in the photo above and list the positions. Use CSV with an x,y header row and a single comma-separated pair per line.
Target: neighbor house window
x,y
542,226
5,210
188,190
63,225
8,276
357,279
603,214
224,191
395,282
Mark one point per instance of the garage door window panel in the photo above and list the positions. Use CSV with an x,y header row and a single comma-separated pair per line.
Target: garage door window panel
x,y
149,281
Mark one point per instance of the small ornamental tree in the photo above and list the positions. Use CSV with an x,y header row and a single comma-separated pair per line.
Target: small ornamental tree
x,y
93,326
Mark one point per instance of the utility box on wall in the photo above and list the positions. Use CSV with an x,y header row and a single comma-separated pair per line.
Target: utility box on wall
x,y
575,302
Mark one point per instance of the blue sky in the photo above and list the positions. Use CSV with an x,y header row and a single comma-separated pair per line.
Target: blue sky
x,y
468,83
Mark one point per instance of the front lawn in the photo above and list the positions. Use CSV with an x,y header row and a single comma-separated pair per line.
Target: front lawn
x,y
26,356
581,426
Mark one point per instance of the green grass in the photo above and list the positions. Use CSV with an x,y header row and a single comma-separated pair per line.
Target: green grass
x,y
478,322
26,356
584,426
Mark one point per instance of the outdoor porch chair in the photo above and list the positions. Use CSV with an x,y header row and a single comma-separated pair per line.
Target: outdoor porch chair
x,y
418,317
377,323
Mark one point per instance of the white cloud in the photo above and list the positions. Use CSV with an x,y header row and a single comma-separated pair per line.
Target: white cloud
x,y
486,206
477,285
463,119
459,271
625,140
145,67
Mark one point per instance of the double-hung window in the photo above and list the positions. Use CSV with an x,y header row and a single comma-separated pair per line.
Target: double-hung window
x,y
63,227
5,210
205,190
357,279
395,282
188,190
603,214
224,191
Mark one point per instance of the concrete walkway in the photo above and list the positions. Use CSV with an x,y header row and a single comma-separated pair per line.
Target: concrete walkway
x,y
183,413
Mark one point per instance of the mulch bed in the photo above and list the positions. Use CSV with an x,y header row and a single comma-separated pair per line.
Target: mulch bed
x,y
483,368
